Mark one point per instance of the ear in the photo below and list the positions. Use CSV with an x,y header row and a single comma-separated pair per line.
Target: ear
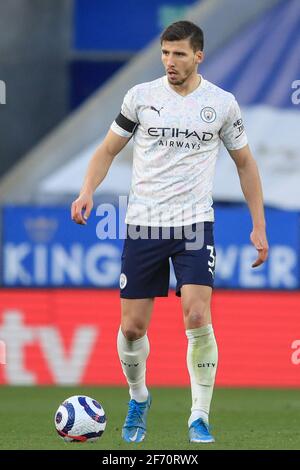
x,y
199,57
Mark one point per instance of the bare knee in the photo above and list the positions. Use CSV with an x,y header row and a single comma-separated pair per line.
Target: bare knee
x,y
133,332
136,314
197,315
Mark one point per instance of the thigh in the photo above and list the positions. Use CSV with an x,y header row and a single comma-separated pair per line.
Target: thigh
x,y
196,266
145,269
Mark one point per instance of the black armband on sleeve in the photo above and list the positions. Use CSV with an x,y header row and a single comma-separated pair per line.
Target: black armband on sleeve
x,y
125,123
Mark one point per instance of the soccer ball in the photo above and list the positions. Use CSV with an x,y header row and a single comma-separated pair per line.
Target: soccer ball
x,y
80,419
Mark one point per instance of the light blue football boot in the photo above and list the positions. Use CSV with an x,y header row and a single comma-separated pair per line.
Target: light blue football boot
x,y
199,432
134,429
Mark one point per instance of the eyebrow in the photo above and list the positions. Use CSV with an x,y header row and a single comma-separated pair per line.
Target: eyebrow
x,y
176,52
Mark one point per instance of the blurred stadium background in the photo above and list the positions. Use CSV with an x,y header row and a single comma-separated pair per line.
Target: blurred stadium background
x,y
65,66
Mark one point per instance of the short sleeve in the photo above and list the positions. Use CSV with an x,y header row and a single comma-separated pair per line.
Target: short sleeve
x,y
127,120
232,132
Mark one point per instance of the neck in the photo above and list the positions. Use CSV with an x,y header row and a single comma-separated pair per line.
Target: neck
x,y
188,86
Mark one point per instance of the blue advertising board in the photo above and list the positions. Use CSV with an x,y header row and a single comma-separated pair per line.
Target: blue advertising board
x,y
42,246
235,252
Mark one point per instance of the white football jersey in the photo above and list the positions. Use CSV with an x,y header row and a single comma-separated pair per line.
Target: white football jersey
x,y
176,142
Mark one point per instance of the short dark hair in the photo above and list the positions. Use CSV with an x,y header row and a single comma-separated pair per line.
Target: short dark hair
x,y
184,30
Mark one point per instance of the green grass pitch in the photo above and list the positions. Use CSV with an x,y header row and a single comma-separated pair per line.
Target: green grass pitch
x,y
240,419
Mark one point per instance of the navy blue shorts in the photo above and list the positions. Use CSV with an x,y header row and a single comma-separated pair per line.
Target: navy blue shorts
x,y
145,266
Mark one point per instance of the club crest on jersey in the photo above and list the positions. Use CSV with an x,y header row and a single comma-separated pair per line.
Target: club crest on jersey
x,y
208,114
123,280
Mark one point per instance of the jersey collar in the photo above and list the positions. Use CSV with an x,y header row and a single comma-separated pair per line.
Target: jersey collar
x,y
200,87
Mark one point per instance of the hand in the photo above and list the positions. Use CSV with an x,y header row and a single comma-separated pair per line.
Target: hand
x,y
83,202
259,240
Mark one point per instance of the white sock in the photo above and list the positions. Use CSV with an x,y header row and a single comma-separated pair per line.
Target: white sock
x,y
133,356
202,361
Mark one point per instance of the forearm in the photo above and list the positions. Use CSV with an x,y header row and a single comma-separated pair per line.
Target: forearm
x,y
252,190
97,170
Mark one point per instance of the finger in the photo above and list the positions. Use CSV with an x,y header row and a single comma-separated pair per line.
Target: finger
x,y
87,212
263,253
78,217
73,210
86,215
257,262
82,217
76,214
262,256
81,220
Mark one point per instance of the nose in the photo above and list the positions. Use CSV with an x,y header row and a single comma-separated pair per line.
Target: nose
x,y
170,61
